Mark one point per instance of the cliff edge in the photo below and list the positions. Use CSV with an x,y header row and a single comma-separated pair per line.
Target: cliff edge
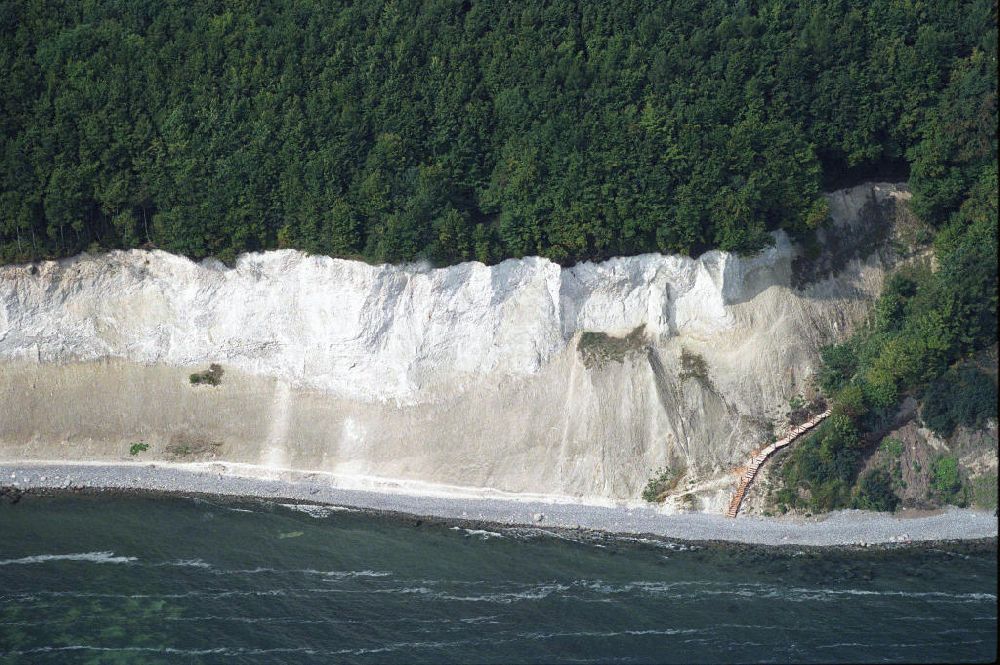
x,y
521,378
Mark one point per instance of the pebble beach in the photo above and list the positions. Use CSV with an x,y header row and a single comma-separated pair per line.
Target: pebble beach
x,y
842,528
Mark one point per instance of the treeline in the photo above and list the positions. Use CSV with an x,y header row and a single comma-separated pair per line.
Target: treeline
x,y
451,130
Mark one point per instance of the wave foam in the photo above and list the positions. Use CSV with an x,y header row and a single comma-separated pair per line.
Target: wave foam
x,y
483,533
317,511
91,557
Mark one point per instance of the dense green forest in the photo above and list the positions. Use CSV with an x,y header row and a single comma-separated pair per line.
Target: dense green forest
x,y
450,130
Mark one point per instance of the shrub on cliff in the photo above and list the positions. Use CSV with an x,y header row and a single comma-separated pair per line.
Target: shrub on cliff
x,y
212,376
662,482
963,396
874,492
839,363
823,465
946,480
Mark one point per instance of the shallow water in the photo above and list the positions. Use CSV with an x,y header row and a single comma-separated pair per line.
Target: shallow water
x,y
173,580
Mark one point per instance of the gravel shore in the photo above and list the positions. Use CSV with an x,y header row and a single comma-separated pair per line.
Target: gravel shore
x,y
849,527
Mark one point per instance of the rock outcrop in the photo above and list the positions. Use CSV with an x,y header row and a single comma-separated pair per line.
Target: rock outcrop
x,y
523,377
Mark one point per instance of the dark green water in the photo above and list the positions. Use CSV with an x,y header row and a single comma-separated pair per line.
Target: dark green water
x,y
132,580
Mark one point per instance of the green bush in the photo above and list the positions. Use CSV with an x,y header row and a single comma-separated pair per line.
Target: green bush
x,y
879,388
890,310
946,479
784,498
849,401
965,396
662,482
946,482
839,363
830,495
824,463
874,492
137,448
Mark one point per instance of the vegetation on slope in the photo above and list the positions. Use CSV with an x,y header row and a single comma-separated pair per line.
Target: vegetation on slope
x,y
928,324
393,130
919,342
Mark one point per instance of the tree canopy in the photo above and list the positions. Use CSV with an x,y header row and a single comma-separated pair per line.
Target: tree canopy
x,y
450,130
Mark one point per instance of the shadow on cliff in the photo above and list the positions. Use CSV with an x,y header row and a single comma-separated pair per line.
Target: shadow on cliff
x,y
880,226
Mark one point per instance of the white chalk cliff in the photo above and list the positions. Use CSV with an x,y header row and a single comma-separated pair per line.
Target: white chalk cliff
x,y
474,376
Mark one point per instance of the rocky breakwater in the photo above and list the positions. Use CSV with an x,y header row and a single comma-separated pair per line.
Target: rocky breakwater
x,y
523,378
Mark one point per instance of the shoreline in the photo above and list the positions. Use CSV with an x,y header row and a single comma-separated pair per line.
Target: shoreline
x,y
839,529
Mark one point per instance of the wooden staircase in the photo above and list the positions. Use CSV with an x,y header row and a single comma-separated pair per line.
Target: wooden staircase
x,y
758,459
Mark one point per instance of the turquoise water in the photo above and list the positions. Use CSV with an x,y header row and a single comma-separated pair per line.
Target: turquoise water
x,y
155,580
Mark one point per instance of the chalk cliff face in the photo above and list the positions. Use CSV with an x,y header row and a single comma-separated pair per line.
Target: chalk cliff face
x,y
522,377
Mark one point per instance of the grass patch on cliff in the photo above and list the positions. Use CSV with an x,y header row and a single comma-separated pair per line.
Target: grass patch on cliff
x,y
188,446
597,348
984,492
693,366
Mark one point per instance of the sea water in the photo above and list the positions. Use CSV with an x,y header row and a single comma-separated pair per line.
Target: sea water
x,y
180,580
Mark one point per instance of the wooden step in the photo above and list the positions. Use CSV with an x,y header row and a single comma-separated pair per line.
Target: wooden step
x,y
758,457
